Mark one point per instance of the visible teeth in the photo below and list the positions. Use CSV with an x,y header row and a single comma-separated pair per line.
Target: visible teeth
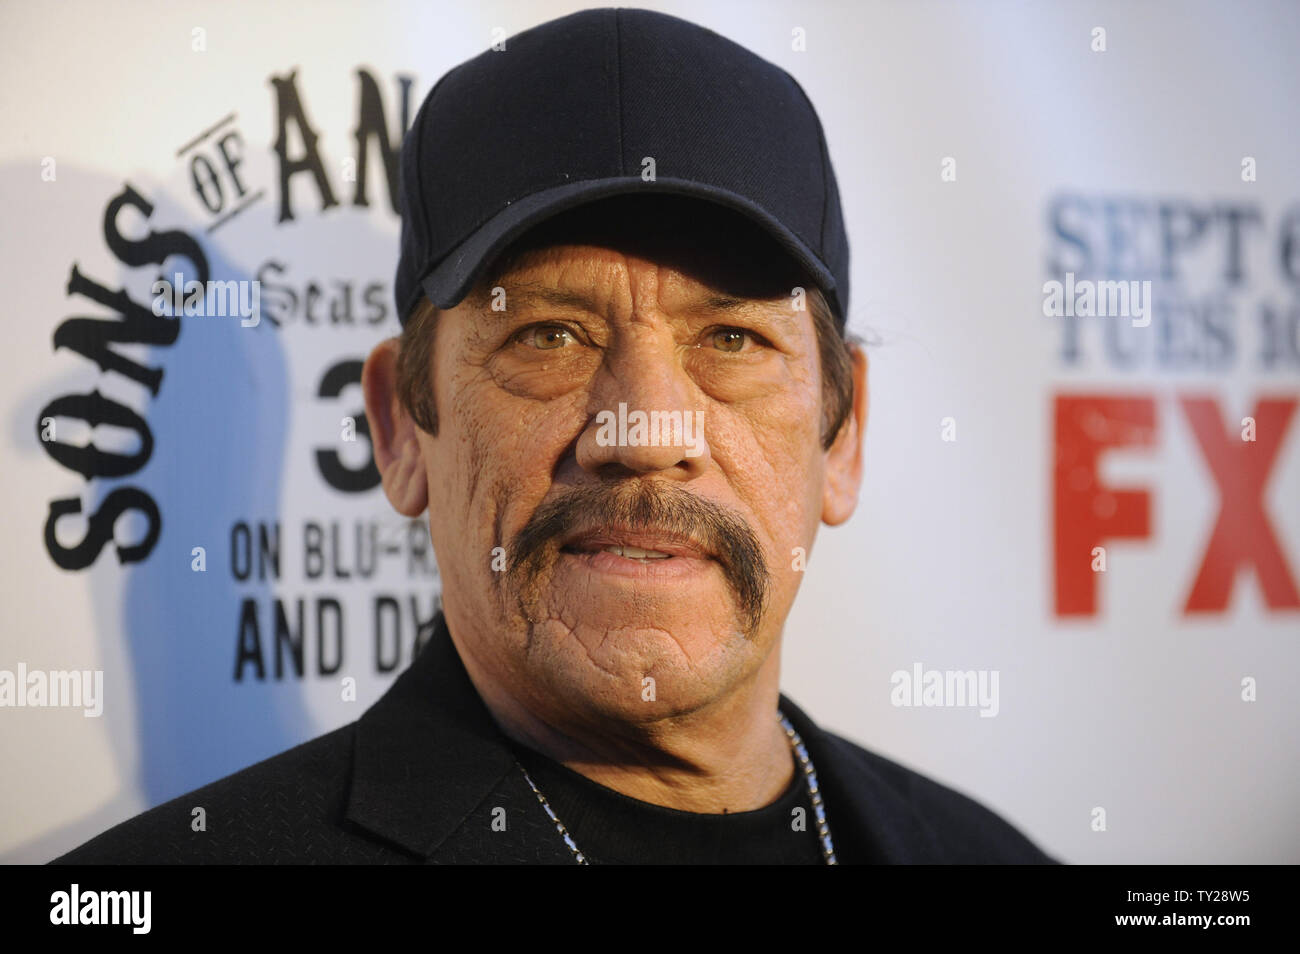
x,y
636,553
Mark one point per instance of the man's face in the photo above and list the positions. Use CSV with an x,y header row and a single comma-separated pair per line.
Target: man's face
x,y
576,566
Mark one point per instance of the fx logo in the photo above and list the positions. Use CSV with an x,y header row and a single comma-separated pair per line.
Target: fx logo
x,y
1088,513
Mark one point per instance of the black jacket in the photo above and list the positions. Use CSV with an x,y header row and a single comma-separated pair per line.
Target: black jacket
x,y
417,779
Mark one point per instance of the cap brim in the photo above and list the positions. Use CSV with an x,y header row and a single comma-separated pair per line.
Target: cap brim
x,y
451,280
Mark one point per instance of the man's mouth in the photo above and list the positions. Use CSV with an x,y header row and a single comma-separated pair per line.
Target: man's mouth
x,y
636,553
641,539
642,546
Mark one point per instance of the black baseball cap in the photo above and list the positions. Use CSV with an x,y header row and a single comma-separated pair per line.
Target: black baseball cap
x,y
605,103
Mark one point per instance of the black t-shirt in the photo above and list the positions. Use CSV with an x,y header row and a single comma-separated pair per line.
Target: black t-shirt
x,y
611,828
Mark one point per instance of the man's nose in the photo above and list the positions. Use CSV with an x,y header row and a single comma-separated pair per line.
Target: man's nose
x,y
646,414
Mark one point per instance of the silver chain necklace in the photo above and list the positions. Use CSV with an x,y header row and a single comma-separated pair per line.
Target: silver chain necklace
x,y
810,777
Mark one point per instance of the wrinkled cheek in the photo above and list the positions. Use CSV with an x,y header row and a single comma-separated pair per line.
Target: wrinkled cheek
x,y
626,646
585,608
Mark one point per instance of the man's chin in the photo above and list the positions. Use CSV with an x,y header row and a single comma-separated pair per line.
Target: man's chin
x,y
640,665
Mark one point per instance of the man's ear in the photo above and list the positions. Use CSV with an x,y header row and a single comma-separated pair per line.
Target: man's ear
x,y
844,459
393,433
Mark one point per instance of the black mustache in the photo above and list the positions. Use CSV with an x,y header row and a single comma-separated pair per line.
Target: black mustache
x,y
649,507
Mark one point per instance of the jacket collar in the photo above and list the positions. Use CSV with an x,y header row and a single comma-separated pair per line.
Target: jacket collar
x,y
427,753
872,820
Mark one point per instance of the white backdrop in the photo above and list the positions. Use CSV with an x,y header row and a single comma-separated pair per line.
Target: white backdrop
x,y
981,149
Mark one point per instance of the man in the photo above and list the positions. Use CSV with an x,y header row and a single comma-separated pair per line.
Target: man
x,y
624,397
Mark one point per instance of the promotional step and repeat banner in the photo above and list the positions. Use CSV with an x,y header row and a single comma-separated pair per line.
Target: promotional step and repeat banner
x,y
1071,586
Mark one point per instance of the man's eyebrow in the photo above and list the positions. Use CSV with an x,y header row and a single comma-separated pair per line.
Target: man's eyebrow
x,y
731,303
536,294
528,294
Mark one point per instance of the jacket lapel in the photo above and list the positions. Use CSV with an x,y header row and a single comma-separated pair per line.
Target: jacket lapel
x,y
427,753
870,821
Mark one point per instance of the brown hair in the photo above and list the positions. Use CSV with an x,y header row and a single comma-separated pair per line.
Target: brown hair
x,y
415,380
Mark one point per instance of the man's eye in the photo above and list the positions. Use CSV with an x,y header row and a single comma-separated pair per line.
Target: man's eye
x,y
546,337
730,339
